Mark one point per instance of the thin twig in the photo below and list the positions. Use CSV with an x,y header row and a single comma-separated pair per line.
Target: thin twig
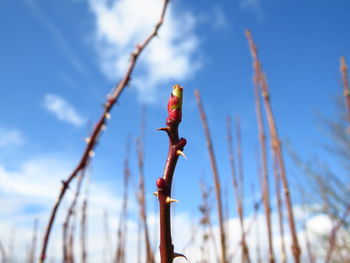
x,y
263,152
334,232
277,149
99,127
236,188
31,258
141,192
215,177
344,74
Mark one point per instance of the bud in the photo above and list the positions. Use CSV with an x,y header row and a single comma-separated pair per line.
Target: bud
x,y
175,105
182,142
161,183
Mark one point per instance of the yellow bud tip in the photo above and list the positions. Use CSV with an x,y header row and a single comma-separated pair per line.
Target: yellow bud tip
x,y
179,152
108,115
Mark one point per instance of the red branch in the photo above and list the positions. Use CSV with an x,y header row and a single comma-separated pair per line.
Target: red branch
x,y
99,127
164,183
344,74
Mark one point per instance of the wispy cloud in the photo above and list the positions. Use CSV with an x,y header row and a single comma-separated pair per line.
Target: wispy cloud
x,y
11,137
252,5
120,25
62,109
57,34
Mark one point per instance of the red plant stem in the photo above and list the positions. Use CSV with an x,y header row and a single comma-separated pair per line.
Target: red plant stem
x,y
262,140
279,208
215,176
277,149
344,74
238,197
141,198
334,232
99,127
166,247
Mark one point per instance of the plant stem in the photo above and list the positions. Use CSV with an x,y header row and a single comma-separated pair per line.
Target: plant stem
x,y
277,149
164,183
99,127
344,74
238,193
215,176
141,195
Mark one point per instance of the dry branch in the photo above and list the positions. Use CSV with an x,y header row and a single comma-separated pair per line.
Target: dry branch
x,y
215,176
238,190
99,127
344,74
276,148
141,193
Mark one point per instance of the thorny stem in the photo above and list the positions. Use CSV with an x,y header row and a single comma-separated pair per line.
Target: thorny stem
x,y
99,127
238,193
344,73
215,175
277,149
164,183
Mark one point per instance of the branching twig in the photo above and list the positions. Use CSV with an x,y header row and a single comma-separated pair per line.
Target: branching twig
x,y
215,176
164,183
99,127
333,236
277,149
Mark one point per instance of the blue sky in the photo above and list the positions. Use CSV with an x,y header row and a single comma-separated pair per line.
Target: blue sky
x,y
59,60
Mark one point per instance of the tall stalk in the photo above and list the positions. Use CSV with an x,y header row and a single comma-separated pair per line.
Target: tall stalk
x,y
276,148
141,193
215,177
263,152
164,183
99,127
238,193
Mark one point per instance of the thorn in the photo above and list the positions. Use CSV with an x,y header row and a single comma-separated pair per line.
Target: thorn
x,y
170,200
166,129
108,115
87,139
103,127
175,255
91,154
155,193
179,152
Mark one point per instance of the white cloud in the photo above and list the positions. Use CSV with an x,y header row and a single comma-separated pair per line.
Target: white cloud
x,y
120,25
10,137
62,110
